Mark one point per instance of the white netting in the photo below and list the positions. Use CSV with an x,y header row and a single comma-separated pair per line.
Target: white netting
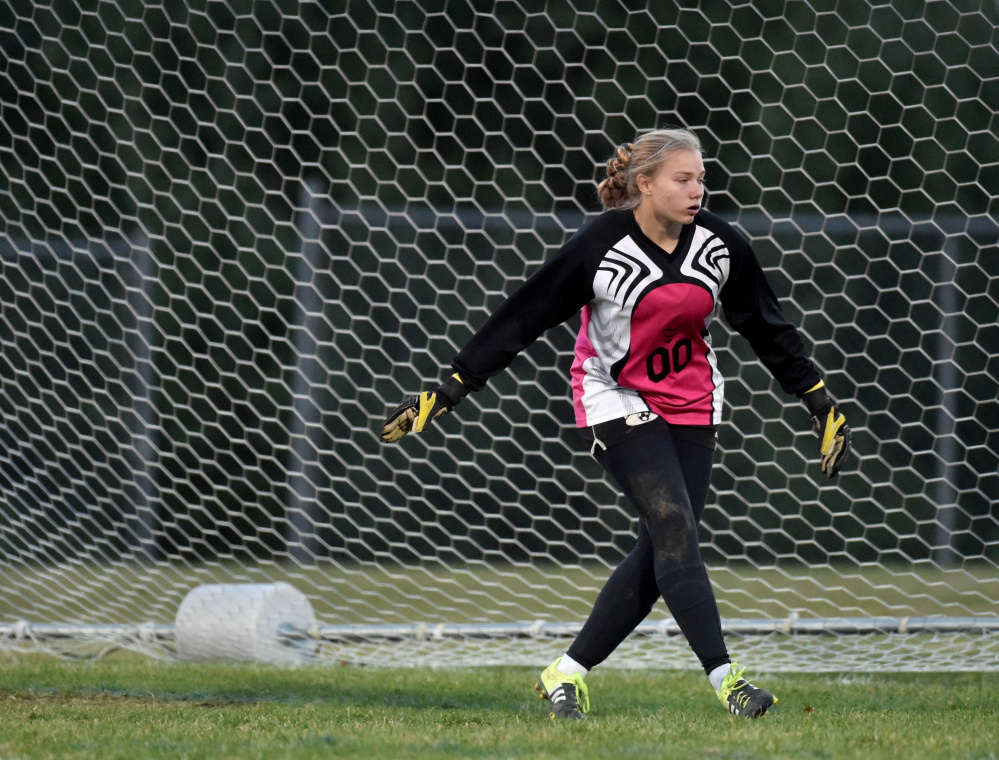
x,y
234,233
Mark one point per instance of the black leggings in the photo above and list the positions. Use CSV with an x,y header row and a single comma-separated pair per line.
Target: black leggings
x,y
666,476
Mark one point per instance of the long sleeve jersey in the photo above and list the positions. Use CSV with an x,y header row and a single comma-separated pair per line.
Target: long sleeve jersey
x,y
644,345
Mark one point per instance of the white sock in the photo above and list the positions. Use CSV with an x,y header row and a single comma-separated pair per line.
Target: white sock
x,y
717,675
570,667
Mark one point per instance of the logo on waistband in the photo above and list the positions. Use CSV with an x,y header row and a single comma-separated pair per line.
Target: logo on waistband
x,y
639,418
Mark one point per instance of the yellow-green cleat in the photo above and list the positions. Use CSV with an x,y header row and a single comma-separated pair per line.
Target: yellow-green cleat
x,y
740,697
568,695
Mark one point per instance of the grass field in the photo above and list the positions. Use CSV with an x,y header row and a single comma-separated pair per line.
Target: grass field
x,y
125,706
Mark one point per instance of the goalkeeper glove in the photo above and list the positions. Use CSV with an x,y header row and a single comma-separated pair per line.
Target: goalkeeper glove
x,y
417,412
830,426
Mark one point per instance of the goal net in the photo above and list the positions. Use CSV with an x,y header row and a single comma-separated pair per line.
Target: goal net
x,y
233,234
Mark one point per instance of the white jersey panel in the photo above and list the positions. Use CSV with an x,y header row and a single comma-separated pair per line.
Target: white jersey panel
x,y
603,399
717,379
707,261
624,273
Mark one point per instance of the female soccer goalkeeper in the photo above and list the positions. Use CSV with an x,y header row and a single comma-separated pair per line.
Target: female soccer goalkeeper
x,y
647,274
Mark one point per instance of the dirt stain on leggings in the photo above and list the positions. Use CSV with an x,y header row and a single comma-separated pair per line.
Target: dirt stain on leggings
x,y
670,521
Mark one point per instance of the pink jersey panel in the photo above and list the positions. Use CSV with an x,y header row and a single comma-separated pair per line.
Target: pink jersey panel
x,y
584,350
668,362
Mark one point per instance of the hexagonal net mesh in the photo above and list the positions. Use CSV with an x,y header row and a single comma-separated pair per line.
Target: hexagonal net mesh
x,y
235,233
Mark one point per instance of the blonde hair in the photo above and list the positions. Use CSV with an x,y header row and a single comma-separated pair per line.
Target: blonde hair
x,y
645,156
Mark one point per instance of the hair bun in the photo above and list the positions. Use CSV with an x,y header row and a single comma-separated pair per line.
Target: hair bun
x,y
621,161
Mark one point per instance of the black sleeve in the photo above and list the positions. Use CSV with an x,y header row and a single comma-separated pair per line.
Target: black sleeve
x,y
559,289
751,307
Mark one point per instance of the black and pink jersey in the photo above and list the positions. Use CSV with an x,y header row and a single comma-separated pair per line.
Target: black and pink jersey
x,y
644,345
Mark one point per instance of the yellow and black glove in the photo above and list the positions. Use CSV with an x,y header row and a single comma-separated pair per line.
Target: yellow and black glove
x,y
830,426
417,412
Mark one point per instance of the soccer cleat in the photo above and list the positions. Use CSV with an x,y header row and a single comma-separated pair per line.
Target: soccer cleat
x,y
568,694
740,697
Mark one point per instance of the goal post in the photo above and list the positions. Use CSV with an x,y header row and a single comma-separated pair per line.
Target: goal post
x,y
233,234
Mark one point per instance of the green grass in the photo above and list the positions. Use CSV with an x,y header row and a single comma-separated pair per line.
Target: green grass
x,y
125,706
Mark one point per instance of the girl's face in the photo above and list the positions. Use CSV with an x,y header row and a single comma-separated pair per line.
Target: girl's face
x,y
674,193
